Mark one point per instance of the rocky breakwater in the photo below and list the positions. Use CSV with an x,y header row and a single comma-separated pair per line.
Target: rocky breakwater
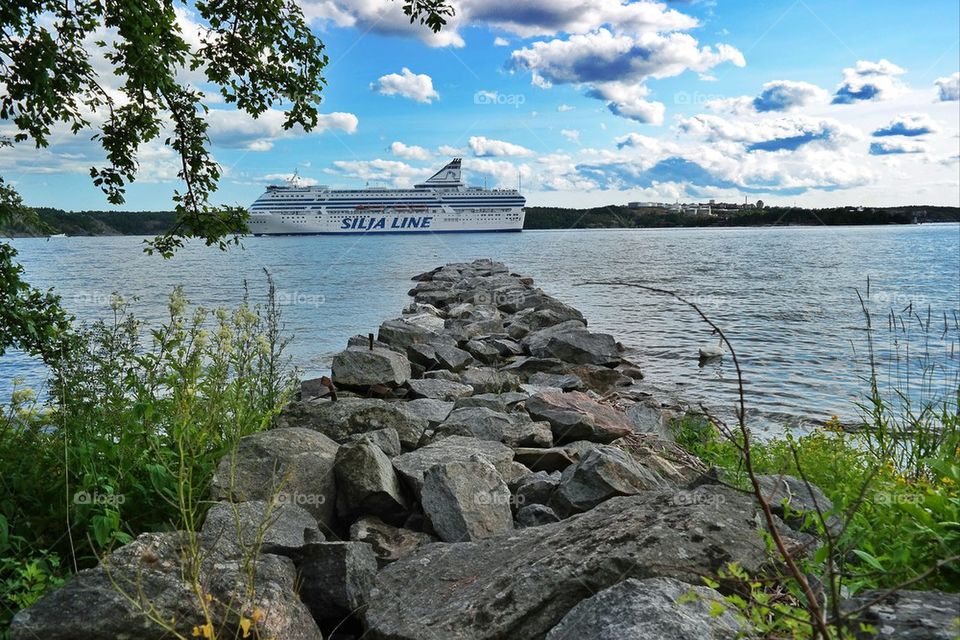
x,y
481,468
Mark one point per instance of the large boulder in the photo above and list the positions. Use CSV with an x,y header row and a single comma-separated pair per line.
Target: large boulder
x,y
400,334
429,409
386,439
413,465
579,346
466,500
904,615
291,465
245,529
348,416
651,608
367,483
335,578
521,583
487,380
139,592
534,515
536,341
438,389
389,543
602,473
360,368
502,402
512,429
576,416
536,488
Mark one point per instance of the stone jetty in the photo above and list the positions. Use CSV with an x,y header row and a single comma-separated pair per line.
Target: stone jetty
x,y
483,467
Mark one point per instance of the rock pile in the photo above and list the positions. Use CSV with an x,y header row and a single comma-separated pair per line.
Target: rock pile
x,y
484,471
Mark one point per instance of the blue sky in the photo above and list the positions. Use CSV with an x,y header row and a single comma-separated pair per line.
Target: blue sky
x,y
596,102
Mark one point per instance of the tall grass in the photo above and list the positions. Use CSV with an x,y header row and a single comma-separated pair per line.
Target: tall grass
x,y
136,420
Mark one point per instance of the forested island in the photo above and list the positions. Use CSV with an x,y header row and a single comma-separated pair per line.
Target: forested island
x,y
137,223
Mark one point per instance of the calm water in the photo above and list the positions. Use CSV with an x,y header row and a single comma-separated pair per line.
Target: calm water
x,y
784,296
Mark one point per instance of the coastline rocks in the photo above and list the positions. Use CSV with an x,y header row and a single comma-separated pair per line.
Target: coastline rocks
x,y
602,473
534,515
335,579
412,466
242,529
514,430
367,483
536,488
520,584
578,346
385,439
466,500
360,368
432,411
502,402
348,416
389,543
293,466
576,416
141,584
652,608
438,389
487,380
905,615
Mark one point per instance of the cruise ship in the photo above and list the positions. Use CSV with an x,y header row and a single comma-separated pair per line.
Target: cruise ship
x,y
441,204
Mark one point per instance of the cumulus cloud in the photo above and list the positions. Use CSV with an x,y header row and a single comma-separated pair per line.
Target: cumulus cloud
x,y
784,95
571,134
869,81
501,42
486,147
287,177
948,87
563,108
236,129
787,133
396,173
893,148
410,152
637,141
614,66
909,125
416,87
525,19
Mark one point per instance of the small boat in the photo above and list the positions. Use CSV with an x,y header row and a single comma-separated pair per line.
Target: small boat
x,y
58,235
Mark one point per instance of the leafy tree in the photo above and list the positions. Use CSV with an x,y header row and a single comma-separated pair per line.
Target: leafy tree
x,y
258,54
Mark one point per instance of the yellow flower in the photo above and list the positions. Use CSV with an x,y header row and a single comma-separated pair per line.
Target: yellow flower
x,y
203,631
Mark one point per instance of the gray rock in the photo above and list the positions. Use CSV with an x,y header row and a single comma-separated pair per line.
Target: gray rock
x,y
564,382
502,402
602,473
433,411
336,578
389,543
906,615
363,342
647,417
348,416
293,466
527,366
386,439
536,488
367,483
651,608
111,601
534,515
411,466
466,500
576,416
400,334
362,368
438,389
521,583
487,380
581,347
514,430
599,379
452,358
442,374
549,460
536,341
245,529
506,347
795,501
482,351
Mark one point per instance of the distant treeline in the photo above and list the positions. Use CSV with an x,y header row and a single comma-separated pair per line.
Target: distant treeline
x,y
148,223
625,217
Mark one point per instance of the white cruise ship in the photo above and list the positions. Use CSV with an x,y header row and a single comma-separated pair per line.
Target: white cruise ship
x,y
442,204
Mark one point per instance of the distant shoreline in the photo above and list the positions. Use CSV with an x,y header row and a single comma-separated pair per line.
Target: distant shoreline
x,y
149,223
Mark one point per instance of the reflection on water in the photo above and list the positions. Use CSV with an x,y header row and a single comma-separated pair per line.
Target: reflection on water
x,y
786,297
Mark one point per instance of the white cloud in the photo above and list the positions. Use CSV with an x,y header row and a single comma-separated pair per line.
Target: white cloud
x,y
485,147
571,134
614,66
381,16
783,133
237,129
868,81
416,87
447,150
501,42
786,95
394,172
288,177
410,152
563,108
948,87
